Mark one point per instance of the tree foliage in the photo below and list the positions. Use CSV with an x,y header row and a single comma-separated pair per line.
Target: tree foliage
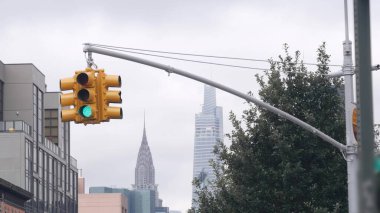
x,y
272,165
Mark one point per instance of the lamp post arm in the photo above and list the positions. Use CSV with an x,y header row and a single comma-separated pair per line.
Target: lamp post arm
x,y
90,49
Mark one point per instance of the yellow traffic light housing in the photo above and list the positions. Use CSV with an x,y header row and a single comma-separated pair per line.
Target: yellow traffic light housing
x,y
86,97
106,96
90,97
82,99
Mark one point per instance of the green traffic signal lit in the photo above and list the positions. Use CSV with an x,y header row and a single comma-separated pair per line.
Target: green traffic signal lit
x,y
85,111
377,164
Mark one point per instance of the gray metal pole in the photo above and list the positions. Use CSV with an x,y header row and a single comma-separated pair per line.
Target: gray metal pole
x,y
351,154
367,185
88,48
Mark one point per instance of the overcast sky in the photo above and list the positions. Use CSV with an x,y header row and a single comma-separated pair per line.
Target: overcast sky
x,y
50,34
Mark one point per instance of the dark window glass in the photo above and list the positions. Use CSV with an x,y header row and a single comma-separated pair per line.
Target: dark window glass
x,y
51,125
63,175
35,189
40,163
35,168
1,99
28,164
37,114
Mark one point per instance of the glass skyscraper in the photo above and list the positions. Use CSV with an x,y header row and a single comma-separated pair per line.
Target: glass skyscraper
x,y
208,131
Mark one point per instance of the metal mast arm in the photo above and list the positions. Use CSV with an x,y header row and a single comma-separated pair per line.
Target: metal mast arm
x,y
88,48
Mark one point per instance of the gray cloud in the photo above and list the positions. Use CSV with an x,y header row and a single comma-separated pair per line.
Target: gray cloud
x,y
50,33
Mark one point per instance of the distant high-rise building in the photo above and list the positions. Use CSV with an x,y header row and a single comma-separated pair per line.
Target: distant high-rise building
x,y
139,201
144,171
162,210
103,199
208,131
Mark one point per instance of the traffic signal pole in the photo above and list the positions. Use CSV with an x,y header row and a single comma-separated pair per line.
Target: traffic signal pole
x,y
351,145
368,185
88,48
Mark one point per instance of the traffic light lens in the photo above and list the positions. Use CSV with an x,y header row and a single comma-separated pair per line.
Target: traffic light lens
x,y
82,78
83,95
377,164
85,111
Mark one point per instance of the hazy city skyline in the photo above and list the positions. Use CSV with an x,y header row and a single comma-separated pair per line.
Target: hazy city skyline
x,y
49,34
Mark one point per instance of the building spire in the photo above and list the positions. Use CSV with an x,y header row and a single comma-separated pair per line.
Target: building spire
x,y
144,171
144,139
209,101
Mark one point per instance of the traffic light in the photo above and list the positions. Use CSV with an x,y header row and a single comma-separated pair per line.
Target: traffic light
x,y
82,100
106,96
87,97
90,97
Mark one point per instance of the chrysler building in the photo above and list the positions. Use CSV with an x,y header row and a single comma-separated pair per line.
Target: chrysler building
x,y
144,171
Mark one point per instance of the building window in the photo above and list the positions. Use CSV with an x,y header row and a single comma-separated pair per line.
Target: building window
x,y
40,110
51,125
37,114
28,164
1,99
66,138
35,166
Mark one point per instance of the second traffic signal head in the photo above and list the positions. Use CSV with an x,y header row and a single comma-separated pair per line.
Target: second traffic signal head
x,y
106,96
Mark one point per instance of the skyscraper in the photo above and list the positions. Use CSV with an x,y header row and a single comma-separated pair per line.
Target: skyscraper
x,y
208,131
144,171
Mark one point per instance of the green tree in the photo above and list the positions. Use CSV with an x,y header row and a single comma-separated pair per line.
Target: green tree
x,y
377,136
272,164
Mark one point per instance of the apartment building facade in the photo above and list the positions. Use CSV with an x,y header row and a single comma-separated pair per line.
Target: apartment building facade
x,y
34,143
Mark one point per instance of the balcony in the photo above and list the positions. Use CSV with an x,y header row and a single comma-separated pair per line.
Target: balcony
x,y
15,126
73,162
54,148
22,126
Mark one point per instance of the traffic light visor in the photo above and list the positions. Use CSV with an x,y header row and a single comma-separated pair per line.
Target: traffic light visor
x,y
67,99
66,84
113,96
68,115
115,112
113,81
